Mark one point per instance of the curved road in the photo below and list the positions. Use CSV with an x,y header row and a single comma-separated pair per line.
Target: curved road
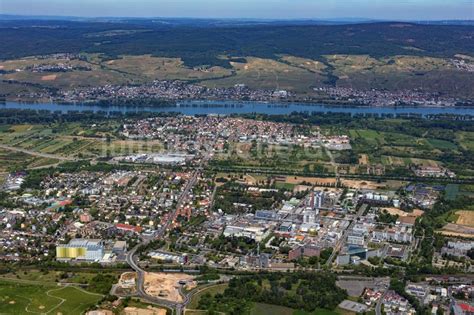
x,y
131,260
140,284
35,153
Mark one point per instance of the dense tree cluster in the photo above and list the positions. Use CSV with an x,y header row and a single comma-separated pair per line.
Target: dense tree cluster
x,y
102,283
299,290
385,217
203,45
232,193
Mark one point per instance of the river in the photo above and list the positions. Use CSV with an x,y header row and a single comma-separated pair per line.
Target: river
x,y
234,107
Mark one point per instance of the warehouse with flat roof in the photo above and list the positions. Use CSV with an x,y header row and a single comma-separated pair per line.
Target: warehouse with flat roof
x,y
81,249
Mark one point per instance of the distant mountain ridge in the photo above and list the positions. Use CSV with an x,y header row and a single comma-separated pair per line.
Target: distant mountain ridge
x,y
226,21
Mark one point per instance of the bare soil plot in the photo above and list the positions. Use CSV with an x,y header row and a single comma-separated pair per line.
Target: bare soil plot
x,y
49,77
466,217
312,180
363,159
458,230
456,234
166,285
127,283
144,311
401,213
358,184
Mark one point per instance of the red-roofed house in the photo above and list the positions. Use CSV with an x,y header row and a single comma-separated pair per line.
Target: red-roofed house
x,y
128,228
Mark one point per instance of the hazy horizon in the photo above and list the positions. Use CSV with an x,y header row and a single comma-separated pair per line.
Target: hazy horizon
x,y
246,9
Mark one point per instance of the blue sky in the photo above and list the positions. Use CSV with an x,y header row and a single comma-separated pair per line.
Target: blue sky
x,y
282,9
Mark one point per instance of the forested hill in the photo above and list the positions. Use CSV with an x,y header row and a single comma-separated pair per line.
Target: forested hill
x,y
203,45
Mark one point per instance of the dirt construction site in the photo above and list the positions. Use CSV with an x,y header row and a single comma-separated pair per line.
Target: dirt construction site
x,y
166,285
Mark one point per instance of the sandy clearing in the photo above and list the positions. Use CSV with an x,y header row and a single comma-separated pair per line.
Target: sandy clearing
x,y
127,281
250,180
418,212
466,217
166,285
364,159
49,77
449,233
358,184
311,180
351,183
144,311
401,213
128,276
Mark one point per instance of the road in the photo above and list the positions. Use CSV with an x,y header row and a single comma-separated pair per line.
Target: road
x,y
141,280
39,154
343,238
131,258
378,307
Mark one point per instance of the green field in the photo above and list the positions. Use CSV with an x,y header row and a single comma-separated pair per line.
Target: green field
x,y
66,140
294,158
213,290
397,151
268,309
287,72
13,161
16,298
48,277
452,191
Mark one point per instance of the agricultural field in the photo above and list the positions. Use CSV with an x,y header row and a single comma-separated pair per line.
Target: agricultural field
x,y
452,191
466,140
373,152
305,63
17,298
13,161
147,67
288,72
398,73
260,73
397,152
465,217
70,141
96,75
295,158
